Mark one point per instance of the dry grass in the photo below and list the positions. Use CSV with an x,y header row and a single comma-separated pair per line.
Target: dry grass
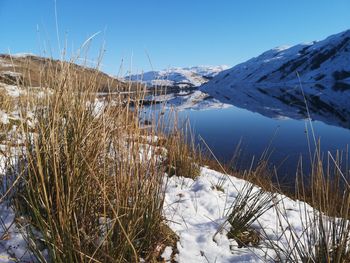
x,y
184,157
88,193
325,224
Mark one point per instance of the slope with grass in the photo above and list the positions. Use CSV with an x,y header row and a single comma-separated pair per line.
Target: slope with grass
x,y
28,70
269,83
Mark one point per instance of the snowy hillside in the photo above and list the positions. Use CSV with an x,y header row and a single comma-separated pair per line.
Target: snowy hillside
x,y
178,77
269,84
207,71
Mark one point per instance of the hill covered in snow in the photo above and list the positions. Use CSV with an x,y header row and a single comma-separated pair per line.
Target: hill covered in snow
x,y
274,82
178,77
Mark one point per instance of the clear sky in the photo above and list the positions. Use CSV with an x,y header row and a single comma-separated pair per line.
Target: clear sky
x,y
164,33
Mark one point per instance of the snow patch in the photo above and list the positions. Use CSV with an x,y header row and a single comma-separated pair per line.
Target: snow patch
x,y
196,212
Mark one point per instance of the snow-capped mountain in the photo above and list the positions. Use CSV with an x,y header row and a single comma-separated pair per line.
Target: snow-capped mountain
x,y
274,82
178,77
207,72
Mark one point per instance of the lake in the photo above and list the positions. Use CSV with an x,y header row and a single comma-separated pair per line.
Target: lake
x,y
224,129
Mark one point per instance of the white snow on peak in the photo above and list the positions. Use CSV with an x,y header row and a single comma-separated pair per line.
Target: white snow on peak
x,y
207,71
281,48
178,77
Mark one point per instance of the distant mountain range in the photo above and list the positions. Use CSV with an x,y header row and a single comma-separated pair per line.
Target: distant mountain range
x,y
178,77
273,83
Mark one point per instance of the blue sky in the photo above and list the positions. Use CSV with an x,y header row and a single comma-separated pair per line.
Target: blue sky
x,y
141,35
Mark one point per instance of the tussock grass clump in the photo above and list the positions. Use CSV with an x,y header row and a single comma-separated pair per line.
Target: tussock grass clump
x,y
183,158
250,203
88,191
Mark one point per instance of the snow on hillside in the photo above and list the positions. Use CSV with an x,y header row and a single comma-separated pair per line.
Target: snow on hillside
x,y
317,61
23,55
269,84
207,71
178,77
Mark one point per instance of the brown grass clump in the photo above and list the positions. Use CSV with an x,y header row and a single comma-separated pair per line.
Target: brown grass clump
x,y
184,157
88,193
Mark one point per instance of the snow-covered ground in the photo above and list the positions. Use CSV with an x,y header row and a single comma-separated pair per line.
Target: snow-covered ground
x,y
11,90
178,77
13,245
196,211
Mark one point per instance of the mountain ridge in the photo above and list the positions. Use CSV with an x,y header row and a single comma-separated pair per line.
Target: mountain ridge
x,y
309,59
278,82
187,77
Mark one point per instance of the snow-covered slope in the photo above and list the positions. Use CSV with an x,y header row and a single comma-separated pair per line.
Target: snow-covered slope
x,y
178,77
269,83
196,211
207,71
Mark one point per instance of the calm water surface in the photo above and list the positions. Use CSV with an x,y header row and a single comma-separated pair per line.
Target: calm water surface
x,y
224,129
